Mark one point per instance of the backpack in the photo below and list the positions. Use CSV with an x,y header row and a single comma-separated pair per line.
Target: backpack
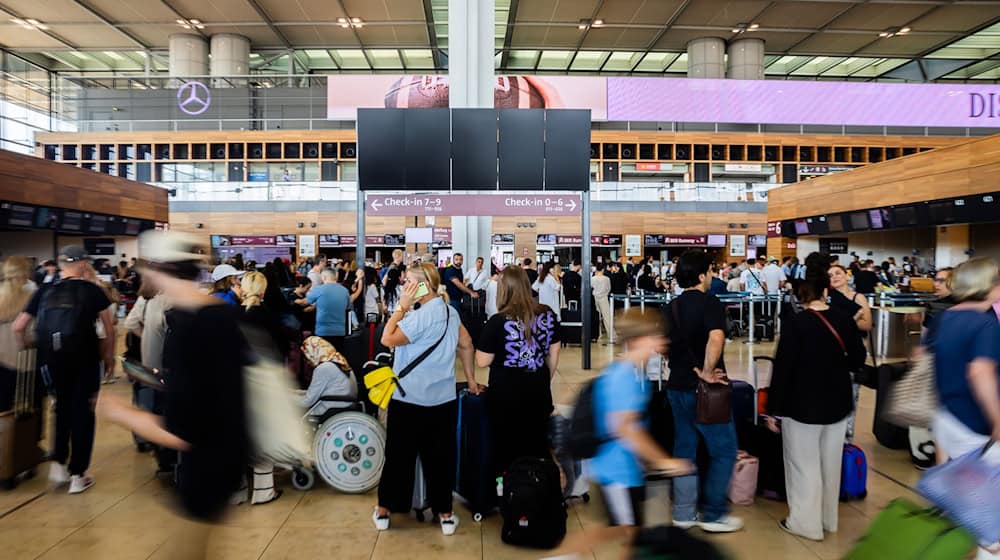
x,y
61,328
582,441
533,510
853,474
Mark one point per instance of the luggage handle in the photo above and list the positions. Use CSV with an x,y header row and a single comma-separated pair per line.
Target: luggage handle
x,y
756,383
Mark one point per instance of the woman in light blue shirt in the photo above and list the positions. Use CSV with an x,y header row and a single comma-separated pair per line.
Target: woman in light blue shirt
x,y
423,413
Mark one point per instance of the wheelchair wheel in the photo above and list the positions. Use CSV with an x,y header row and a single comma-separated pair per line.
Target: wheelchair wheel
x,y
303,479
349,450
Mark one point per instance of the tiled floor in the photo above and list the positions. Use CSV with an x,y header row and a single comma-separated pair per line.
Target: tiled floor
x,y
126,516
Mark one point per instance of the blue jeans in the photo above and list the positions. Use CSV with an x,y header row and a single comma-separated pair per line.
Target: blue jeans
x,y
721,442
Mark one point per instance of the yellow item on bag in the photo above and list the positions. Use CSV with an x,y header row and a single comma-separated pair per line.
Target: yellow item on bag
x,y
382,382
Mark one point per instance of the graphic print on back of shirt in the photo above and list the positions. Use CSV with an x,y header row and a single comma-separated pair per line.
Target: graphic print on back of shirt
x,y
528,354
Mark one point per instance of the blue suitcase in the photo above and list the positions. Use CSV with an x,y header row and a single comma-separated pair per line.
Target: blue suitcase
x,y
853,474
474,481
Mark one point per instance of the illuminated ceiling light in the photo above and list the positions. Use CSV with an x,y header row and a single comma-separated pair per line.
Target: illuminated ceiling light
x,y
744,27
894,31
754,26
883,34
190,23
584,23
355,20
904,31
30,24
341,20
598,22
735,30
181,22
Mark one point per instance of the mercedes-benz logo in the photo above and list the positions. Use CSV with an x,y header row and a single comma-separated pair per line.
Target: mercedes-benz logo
x,y
193,98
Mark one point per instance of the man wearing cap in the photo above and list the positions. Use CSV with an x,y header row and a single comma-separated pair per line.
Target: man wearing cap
x,y
227,283
65,313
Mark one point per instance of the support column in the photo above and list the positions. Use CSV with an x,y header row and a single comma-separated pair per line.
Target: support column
x,y
188,55
470,85
951,245
707,58
746,59
230,57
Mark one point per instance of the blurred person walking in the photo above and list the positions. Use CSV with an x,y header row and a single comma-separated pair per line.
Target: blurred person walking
x,y
226,285
14,296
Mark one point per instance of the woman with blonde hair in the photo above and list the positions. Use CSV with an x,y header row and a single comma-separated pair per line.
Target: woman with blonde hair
x,y
965,340
520,345
427,333
15,292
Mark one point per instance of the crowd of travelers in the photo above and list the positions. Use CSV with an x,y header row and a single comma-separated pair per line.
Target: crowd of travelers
x,y
193,325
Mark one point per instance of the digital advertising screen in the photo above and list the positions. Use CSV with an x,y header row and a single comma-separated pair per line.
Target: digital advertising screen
x,y
801,227
859,221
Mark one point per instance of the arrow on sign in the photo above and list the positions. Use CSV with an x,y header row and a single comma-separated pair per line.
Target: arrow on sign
x,y
376,205
572,205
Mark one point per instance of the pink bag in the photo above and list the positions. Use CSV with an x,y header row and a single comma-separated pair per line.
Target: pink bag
x,y
743,486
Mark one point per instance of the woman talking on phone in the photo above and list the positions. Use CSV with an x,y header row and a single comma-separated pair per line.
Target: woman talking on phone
x,y
423,413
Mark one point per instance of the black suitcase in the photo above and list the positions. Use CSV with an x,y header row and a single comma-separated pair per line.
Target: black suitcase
x,y
534,513
887,434
766,445
474,481
473,315
571,326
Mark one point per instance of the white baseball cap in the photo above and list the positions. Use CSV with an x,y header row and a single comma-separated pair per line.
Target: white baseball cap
x,y
225,271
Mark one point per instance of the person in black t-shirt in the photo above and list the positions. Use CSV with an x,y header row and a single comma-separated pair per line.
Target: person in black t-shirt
x,y
619,279
696,325
572,282
520,345
453,280
865,279
72,354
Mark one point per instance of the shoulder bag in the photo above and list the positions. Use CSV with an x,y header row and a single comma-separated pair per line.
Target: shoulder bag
x,y
713,401
383,382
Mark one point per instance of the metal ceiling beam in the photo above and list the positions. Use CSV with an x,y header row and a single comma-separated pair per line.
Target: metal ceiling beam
x,y
270,24
508,33
663,31
432,38
47,32
857,52
169,6
333,59
583,37
357,37
104,19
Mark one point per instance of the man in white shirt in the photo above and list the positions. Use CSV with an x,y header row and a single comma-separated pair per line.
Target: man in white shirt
x,y
752,279
601,287
316,272
774,278
477,277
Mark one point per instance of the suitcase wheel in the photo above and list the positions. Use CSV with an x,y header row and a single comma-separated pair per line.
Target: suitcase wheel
x,y
303,479
477,517
586,497
9,484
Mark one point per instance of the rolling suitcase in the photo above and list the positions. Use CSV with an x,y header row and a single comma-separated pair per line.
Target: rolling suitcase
x,y
887,434
21,426
473,314
474,481
853,474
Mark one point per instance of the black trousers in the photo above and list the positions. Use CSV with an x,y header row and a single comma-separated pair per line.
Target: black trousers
x,y
76,387
519,405
427,432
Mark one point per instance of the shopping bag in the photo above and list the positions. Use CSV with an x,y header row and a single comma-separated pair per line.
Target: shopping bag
x,y
913,399
967,489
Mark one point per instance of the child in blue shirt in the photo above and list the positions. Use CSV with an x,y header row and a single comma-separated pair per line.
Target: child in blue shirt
x,y
629,451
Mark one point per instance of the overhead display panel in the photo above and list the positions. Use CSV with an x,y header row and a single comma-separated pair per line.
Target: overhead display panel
x,y
474,149
570,132
522,149
381,145
427,134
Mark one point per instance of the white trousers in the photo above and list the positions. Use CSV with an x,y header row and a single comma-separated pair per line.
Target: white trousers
x,y
604,308
954,439
813,456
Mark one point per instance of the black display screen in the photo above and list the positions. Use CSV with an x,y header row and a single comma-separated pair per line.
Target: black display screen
x,y
427,157
71,221
20,215
132,227
859,220
941,212
97,224
835,223
381,143
522,149
474,149
567,149
47,218
904,216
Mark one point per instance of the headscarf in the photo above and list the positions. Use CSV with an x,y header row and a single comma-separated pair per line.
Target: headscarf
x,y
318,350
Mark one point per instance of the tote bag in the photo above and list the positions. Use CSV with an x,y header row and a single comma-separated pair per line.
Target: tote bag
x,y
967,490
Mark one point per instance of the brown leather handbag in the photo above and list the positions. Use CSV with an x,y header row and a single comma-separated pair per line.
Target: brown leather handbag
x,y
713,401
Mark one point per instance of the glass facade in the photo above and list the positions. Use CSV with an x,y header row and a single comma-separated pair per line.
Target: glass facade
x,y
28,104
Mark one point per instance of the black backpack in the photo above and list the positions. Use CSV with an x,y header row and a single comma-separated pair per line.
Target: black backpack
x,y
533,510
61,328
582,442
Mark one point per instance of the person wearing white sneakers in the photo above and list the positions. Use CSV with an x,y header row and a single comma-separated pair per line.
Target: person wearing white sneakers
x,y
65,313
427,333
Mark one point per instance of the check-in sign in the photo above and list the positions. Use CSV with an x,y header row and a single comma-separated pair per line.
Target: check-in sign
x,y
472,205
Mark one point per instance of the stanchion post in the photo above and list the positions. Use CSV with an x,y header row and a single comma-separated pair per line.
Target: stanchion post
x,y
586,309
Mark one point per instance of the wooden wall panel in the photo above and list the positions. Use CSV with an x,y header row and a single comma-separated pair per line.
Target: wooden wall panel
x,y
45,183
964,169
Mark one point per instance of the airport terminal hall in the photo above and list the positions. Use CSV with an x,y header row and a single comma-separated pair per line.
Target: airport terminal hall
x,y
500,279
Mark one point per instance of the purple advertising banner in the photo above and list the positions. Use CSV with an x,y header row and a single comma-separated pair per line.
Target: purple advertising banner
x,y
803,102
472,205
